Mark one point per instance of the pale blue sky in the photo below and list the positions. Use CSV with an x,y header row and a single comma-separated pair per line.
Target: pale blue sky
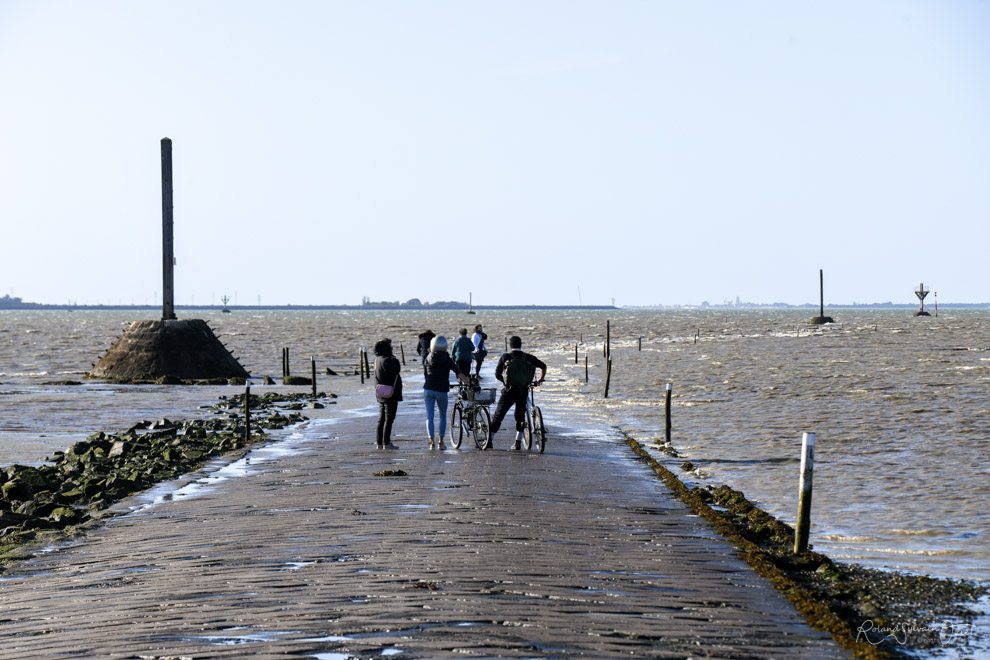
x,y
529,152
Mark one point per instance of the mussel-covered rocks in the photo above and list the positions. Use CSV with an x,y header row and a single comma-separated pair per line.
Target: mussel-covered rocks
x,y
106,467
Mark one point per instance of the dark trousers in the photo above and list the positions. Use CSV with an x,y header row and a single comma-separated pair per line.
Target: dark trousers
x,y
386,415
478,359
464,366
511,396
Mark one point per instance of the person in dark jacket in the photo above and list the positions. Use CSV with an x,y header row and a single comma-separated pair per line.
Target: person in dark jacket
x,y
423,347
514,394
436,384
462,350
387,370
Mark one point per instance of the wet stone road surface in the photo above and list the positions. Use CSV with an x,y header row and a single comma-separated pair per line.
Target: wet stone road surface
x,y
298,550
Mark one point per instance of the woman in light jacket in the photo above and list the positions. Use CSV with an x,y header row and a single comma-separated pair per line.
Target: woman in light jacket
x,y
387,370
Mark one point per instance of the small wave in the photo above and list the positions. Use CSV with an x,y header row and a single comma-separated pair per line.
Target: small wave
x,y
914,552
917,532
849,539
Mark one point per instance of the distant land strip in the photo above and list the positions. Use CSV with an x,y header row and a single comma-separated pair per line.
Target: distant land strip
x,y
7,302
372,307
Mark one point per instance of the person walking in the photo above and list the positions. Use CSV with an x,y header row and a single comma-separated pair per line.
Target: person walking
x,y
515,370
387,374
436,385
480,348
423,347
462,351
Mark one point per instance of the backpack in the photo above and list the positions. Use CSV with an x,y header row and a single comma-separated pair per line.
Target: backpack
x,y
519,371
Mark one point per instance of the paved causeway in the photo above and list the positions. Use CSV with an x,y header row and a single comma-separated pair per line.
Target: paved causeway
x,y
299,551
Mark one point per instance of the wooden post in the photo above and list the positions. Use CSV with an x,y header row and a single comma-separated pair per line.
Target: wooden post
x,y
247,413
586,368
168,255
361,363
641,342
697,333
403,351
804,498
283,362
666,414
575,354
367,368
313,359
608,375
506,344
288,370
608,338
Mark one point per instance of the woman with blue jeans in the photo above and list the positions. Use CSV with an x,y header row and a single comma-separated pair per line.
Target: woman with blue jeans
x,y
436,384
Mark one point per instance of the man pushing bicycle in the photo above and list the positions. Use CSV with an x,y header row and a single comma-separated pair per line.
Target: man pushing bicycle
x,y
515,370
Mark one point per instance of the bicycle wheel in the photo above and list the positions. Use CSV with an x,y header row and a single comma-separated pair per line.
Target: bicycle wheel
x,y
456,425
482,427
539,431
527,439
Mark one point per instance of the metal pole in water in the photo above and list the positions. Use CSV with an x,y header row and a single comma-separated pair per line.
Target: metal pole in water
x,y
804,499
821,293
361,363
575,354
313,359
586,368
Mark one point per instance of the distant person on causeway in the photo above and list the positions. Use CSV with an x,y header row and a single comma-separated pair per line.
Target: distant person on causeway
x,y
480,349
462,350
515,370
423,347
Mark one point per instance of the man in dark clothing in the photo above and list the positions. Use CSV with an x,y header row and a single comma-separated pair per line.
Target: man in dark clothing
x,y
517,379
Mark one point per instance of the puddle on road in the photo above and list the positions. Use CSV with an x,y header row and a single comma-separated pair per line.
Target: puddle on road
x,y
240,638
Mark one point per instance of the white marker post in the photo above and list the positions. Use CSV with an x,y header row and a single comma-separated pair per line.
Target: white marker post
x,y
804,499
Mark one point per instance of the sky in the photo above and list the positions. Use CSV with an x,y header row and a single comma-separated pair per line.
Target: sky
x,y
517,152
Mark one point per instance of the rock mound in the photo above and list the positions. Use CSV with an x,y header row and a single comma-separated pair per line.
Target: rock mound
x,y
152,350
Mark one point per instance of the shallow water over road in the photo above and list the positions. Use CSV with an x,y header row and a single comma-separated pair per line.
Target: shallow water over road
x,y
899,404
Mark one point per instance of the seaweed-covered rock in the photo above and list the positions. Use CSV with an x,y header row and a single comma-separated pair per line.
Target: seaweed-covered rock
x,y
94,473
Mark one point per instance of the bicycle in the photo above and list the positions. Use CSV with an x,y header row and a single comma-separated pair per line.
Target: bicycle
x,y
535,430
470,415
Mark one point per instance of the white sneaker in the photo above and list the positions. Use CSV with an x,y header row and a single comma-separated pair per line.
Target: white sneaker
x,y
431,444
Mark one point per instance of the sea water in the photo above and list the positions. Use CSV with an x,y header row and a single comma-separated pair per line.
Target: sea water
x,y
899,404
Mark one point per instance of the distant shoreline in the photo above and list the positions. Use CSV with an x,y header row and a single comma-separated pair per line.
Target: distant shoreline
x,y
26,306
239,308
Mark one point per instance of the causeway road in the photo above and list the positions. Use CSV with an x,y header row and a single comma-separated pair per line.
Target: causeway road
x,y
298,550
